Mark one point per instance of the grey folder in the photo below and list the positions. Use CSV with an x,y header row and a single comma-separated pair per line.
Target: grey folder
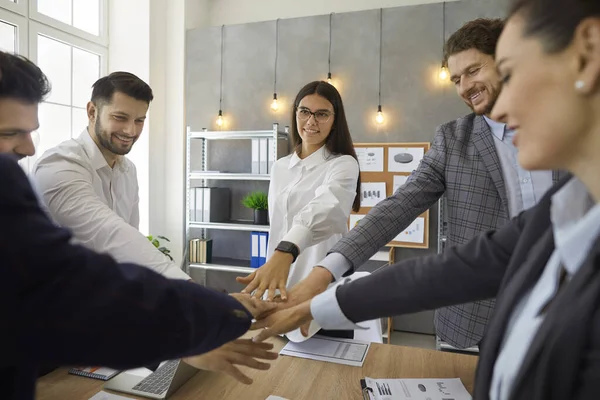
x,y
210,204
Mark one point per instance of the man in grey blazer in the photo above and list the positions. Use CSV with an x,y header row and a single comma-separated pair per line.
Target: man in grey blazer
x,y
472,162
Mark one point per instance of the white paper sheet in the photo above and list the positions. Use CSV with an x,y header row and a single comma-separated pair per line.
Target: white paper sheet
x,y
399,180
370,159
415,233
271,397
371,193
321,348
417,389
102,395
398,158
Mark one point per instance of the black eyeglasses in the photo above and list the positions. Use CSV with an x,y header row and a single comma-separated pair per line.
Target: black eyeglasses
x,y
321,116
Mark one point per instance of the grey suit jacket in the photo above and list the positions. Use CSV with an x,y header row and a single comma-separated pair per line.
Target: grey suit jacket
x,y
563,361
462,164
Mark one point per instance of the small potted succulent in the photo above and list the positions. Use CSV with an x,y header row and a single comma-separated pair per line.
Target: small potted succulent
x,y
258,201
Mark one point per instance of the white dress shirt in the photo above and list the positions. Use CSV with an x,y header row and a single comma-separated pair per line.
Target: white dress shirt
x,y
523,188
576,226
99,204
309,204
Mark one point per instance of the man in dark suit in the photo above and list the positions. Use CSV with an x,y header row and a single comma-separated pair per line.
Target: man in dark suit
x,y
472,162
66,305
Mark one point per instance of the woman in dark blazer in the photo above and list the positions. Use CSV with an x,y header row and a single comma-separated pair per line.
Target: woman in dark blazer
x,y
543,342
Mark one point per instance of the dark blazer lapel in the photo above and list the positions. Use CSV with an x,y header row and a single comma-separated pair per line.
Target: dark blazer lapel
x,y
484,143
522,274
563,303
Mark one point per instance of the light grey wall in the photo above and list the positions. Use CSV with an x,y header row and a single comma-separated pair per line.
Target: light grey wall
x,y
413,101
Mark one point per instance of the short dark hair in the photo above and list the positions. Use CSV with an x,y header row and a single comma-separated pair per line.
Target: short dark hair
x,y
21,79
481,34
339,141
554,21
123,82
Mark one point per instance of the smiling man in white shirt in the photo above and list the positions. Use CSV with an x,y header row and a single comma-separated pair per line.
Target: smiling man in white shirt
x,y
90,187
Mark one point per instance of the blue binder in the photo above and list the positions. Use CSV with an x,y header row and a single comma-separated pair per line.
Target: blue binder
x,y
263,239
254,243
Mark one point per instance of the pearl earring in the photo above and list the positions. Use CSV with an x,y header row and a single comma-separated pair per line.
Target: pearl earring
x,y
579,85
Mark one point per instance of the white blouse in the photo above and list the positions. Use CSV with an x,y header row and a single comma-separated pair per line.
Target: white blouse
x,y
309,204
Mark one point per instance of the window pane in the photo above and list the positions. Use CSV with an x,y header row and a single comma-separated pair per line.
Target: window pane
x,y
8,36
57,9
86,15
55,126
86,71
80,121
54,58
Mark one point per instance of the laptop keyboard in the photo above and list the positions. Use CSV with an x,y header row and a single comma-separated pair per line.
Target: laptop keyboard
x,y
158,381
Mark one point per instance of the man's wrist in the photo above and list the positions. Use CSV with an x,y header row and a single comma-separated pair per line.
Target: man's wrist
x,y
318,280
322,274
287,257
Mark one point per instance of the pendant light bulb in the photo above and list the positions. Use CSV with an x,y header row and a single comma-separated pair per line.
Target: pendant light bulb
x,y
379,118
274,104
329,80
444,75
220,119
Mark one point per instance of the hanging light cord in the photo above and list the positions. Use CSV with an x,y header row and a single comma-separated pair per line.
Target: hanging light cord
x,y
221,83
443,31
380,49
329,57
276,54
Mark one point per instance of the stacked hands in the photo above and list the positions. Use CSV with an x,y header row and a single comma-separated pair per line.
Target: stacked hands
x,y
277,315
288,311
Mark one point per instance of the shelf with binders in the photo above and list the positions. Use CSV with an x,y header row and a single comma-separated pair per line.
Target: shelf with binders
x,y
223,167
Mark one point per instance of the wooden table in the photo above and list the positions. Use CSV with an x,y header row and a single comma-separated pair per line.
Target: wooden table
x,y
290,377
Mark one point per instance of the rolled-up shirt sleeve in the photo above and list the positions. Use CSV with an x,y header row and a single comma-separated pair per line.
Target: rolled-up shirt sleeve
x,y
70,199
327,213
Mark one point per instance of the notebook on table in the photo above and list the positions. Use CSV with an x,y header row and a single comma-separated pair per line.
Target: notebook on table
x,y
101,373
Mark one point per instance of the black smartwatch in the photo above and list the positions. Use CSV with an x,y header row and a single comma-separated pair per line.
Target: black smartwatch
x,y
288,247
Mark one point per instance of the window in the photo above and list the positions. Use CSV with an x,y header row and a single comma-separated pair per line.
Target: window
x,y
8,37
13,31
72,66
84,15
67,39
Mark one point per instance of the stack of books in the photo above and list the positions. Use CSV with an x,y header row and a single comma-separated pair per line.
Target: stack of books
x,y
201,251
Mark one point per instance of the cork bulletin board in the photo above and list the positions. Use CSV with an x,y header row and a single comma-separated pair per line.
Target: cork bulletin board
x,y
383,168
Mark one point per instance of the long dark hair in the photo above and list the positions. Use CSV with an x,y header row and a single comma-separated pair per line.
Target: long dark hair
x,y
554,21
339,141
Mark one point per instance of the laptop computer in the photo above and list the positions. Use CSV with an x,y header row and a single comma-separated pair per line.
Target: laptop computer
x,y
160,384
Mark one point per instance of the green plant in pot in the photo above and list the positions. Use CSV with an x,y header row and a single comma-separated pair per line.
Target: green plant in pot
x,y
258,201
156,243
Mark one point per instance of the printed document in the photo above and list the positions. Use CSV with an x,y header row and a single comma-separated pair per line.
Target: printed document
x,y
322,348
415,389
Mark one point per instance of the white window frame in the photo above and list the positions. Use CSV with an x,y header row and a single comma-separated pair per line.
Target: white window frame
x,y
19,8
36,29
102,39
22,32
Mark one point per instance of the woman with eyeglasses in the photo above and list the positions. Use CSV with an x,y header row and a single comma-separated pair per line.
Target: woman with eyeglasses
x,y
310,195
